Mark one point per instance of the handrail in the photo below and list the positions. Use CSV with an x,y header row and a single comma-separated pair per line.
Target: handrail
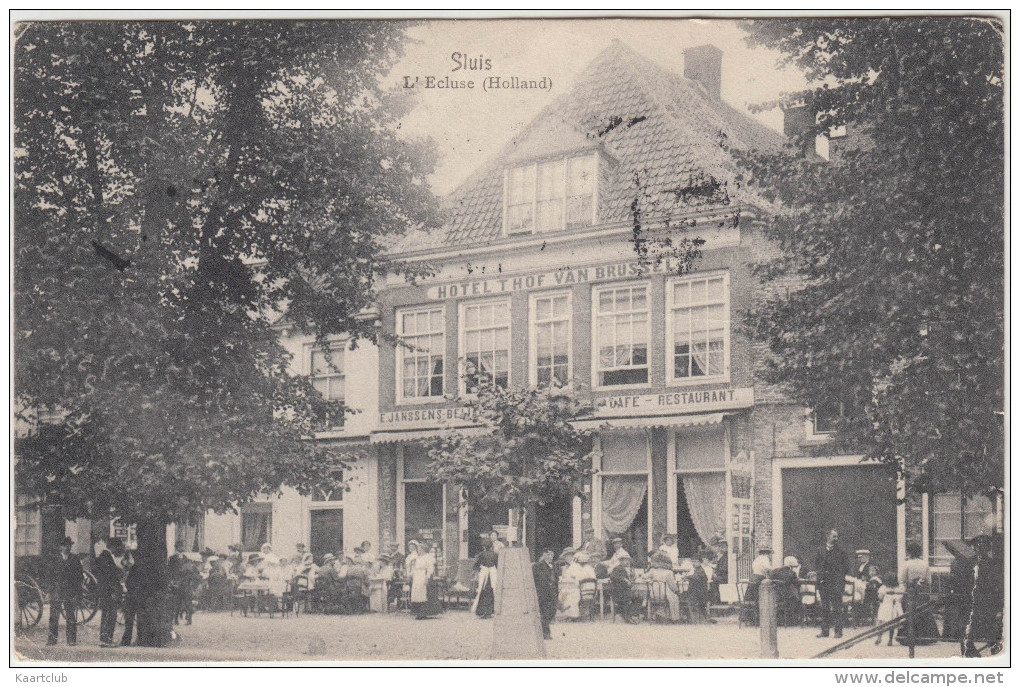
x,y
879,629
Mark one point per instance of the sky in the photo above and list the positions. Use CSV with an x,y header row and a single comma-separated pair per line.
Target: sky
x,y
470,126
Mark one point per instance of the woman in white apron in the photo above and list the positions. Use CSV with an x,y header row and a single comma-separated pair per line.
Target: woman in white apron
x,y
421,567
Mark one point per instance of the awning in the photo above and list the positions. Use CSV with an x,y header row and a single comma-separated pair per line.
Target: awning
x,y
418,434
654,421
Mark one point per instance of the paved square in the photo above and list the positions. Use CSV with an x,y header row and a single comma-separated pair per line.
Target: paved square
x,y
454,635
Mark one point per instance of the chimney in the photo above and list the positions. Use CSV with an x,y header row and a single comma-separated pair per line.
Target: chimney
x,y
704,65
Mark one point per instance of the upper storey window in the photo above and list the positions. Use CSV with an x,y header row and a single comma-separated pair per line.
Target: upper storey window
x,y
551,196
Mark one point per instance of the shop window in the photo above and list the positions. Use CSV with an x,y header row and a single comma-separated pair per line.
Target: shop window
x,y
623,477
191,536
551,196
956,518
550,327
701,486
622,334
28,527
420,358
256,525
422,500
699,313
485,344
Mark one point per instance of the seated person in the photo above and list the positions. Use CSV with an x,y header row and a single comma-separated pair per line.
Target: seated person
x,y
696,598
663,589
787,579
621,589
618,552
269,559
252,568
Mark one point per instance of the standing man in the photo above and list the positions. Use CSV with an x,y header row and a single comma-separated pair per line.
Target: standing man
x,y
109,588
832,566
66,593
547,588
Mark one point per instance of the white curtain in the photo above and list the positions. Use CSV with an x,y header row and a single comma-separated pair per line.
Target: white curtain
x,y
706,501
621,500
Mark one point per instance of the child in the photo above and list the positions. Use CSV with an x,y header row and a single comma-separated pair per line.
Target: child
x,y
890,597
871,601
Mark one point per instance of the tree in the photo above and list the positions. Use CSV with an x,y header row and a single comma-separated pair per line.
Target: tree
x,y
528,453
177,186
892,251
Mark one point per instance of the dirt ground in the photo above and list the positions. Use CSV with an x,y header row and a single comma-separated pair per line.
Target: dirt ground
x,y
454,635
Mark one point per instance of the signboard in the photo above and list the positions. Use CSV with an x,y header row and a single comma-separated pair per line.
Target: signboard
x,y
674,402
427,418
544,280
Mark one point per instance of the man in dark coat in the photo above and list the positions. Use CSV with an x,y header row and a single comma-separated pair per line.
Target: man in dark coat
x,y
65,593
547,589
832,566
109,588
134,597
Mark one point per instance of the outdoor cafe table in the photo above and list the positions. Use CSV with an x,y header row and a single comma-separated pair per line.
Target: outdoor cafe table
x,y
641,589
254,590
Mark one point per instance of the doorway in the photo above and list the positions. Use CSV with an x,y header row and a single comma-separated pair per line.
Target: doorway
x,y
481,519
327,531
550,525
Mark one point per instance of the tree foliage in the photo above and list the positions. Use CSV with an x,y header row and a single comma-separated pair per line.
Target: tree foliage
x,y
890,282
177,187
527,454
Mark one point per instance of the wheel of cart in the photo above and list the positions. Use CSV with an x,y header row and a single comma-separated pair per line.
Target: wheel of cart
x,y
29,599
89,601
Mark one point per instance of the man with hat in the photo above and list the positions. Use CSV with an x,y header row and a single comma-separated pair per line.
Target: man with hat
x,y
831,565
547,590
863,563
619,552
65,593
109,588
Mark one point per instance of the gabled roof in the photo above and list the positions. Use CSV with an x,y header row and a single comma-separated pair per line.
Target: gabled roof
x,y
664,131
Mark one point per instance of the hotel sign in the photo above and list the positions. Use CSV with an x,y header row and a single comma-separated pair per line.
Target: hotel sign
x,y
427,418
544,280
674,402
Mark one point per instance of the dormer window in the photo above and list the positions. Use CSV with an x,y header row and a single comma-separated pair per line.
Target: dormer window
x,y
551,195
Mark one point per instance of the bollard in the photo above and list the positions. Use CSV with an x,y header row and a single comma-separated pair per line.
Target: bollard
x,y
768,610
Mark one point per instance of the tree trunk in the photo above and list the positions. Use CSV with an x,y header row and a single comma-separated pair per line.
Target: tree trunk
x,y
155,620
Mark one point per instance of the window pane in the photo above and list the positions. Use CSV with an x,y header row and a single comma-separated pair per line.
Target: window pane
x,y
561,307
624,452
550,180
550,215
640,299
543,308
701,447
580,176
605,301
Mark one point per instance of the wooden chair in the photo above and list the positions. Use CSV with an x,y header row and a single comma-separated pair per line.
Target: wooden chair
x,y
589,591
810,609
463,587
658,599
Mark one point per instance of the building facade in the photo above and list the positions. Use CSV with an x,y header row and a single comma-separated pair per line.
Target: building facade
x,y
563,260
